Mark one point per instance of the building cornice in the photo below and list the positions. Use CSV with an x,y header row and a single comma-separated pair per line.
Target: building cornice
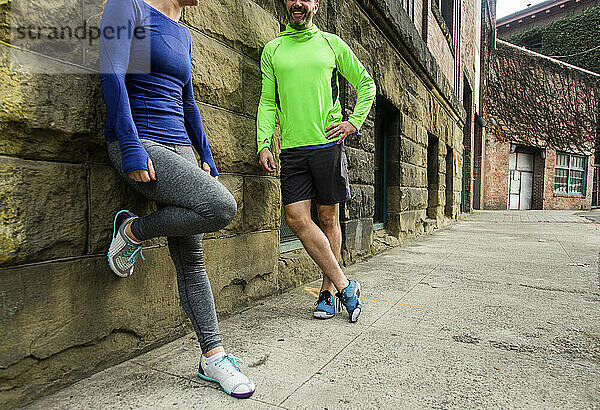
x,y
533,12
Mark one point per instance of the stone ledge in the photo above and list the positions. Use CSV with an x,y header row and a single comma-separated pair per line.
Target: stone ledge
x,y
71,132
262,203
232,138
361,203
358,237
216,73
296,268
360,166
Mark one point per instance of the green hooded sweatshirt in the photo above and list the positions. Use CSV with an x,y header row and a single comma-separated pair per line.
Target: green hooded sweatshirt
x,y
299,84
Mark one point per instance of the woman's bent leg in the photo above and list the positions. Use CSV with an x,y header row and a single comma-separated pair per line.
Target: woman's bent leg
x,y
192,201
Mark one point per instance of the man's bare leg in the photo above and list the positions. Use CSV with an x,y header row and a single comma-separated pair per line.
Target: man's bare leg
x,y
329,219
316,243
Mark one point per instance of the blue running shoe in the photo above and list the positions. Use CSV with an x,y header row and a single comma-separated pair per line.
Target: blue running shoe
x,y
348,298
325,306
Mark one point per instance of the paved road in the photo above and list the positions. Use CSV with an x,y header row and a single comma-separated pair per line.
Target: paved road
x,y
499,310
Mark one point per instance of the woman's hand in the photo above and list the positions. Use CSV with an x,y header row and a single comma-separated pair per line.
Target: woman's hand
x,y
141,175
206,168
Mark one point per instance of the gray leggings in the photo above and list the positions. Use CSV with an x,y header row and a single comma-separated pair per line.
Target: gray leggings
x,y
190,203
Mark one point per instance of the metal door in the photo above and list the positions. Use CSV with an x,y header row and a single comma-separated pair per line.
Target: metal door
x,y
521,180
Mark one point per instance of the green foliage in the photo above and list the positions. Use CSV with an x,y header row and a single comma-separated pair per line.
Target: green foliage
x,y
567,36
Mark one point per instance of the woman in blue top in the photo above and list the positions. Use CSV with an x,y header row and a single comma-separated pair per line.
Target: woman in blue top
x,y
152,120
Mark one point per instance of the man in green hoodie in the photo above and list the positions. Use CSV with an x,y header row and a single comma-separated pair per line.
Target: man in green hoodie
x,y
300,85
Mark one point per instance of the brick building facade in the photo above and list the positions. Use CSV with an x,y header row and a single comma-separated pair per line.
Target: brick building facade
x,y
541,132
64,314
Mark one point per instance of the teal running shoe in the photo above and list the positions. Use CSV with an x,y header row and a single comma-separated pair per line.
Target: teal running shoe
x,y
226,371
325,306
349,298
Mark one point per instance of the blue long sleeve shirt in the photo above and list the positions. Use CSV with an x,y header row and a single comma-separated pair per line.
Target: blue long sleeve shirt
x,y
145,71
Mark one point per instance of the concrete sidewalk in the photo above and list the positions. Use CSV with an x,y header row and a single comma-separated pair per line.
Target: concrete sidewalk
x,y
501,309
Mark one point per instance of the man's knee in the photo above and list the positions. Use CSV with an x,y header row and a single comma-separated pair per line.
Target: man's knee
x,y
297,221
329,222
329,218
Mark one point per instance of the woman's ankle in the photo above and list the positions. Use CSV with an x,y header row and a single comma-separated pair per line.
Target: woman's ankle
x,y
216,350
130,234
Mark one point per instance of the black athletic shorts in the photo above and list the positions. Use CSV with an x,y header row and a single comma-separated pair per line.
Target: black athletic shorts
x,y
320,173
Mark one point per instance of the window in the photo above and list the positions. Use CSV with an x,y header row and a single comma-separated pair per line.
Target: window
x,y
433,177
285,233
384,117
443,12
449,182
381,142
409,7
570,174
446,7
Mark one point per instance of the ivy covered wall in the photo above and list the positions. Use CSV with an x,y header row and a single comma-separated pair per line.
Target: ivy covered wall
x,y
574,39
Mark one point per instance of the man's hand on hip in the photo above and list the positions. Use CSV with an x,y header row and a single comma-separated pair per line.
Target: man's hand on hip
x,y
266,160
341,129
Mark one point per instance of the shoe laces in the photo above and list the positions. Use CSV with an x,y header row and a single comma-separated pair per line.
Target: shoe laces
x,y
339,301
230,364
324,296
132,252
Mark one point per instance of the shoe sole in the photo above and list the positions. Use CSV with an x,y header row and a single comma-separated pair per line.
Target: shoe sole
x,y
236,395
323,315
356,312
112,268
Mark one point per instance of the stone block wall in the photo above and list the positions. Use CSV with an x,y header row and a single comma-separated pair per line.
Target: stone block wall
x,y
64,314
469,47
419,113
487,44
67,315
469,53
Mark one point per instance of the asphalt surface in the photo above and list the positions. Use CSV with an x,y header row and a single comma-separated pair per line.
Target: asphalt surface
x,y
501,310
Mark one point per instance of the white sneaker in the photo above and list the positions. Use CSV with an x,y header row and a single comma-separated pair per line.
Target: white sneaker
x,y
122,252
227,373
